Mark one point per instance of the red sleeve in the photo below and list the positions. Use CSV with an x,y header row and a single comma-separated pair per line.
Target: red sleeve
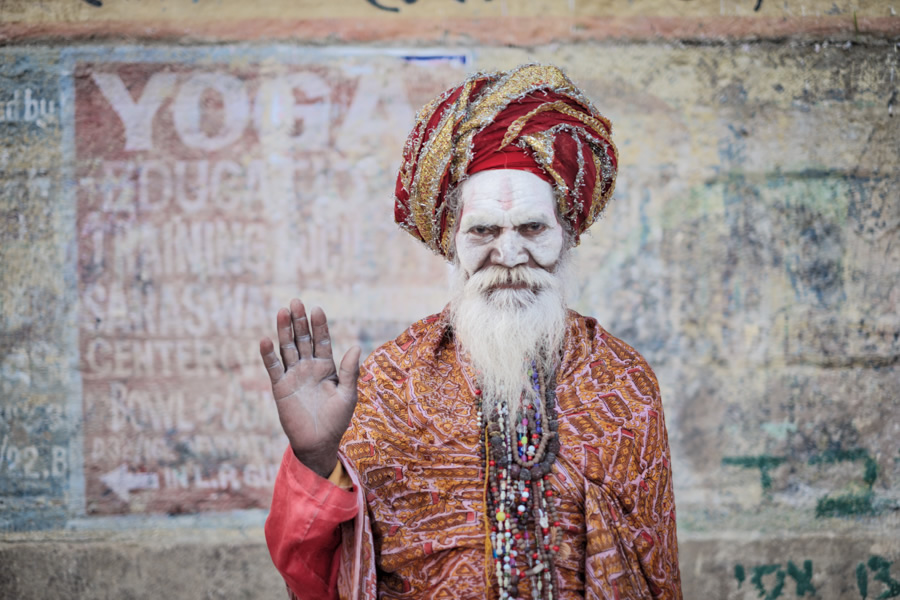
x,y
303,529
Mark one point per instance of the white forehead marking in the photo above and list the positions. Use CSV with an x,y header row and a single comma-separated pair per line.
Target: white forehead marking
x,y
518,195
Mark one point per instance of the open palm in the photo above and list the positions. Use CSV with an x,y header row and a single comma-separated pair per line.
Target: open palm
x,y
315,400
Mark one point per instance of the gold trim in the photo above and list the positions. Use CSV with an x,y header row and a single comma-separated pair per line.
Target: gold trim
x,y
444,153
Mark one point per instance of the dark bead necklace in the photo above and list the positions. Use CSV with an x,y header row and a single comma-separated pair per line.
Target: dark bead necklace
x,y
519,453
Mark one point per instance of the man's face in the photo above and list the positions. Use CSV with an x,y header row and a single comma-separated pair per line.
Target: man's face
x,y
508,307
507,219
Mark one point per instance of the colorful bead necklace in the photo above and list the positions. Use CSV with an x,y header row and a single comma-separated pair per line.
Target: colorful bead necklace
x,y
519,453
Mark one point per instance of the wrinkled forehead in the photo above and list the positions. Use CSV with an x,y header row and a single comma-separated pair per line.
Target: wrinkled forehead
x,y
507,190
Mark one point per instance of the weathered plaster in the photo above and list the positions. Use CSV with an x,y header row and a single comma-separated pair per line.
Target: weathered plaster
x,y
749,253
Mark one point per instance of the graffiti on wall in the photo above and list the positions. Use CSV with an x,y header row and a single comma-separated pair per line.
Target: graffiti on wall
x,y
207,196
855,502
802,577
778,580
380,5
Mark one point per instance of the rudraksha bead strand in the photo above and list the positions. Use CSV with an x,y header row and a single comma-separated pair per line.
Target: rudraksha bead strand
x,y
519,451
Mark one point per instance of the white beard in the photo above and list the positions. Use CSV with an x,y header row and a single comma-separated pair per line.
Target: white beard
x,y
504,330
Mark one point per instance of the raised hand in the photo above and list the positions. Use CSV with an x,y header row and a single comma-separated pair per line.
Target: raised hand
x,y
315,401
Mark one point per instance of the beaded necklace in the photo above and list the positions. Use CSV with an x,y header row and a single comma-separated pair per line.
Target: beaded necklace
x,y
518,455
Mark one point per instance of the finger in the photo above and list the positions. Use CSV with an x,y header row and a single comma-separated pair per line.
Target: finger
x,y
301,329
286,338
270,360
349,373
322,339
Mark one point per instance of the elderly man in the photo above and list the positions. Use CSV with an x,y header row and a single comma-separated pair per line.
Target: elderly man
x,y
506,447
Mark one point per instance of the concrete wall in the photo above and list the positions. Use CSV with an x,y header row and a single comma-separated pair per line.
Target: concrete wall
x,y
172,172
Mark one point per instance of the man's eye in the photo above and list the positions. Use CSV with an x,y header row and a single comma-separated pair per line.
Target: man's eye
x,y
480,230
534,227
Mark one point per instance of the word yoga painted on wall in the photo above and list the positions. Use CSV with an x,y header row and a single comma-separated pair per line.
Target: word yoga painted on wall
x,y
205,193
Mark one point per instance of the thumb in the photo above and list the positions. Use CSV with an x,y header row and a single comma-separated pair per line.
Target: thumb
x,y
349,372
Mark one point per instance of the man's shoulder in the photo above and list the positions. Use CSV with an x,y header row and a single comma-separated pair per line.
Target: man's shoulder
x,y
610,411
587,339
597,365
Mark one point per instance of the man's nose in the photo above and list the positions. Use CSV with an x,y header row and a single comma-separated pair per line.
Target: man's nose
x,y
509,250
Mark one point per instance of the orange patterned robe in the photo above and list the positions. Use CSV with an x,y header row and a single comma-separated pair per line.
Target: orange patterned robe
x,y
411,451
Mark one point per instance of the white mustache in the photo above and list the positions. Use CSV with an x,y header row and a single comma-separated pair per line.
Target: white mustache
x,y
489,278
504,329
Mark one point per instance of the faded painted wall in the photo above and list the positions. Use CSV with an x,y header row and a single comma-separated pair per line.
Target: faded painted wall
x,y
206,196
37,428
207,187
160,202
524,22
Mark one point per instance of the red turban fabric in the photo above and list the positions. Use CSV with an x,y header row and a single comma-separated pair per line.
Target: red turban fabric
x,y
531,118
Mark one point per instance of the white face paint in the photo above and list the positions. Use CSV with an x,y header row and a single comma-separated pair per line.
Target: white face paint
x,y
508,307
507,219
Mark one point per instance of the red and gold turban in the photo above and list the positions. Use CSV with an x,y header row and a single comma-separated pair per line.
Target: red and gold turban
x,y
531,118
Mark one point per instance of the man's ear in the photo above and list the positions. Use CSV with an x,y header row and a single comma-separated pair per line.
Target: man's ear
x,y
454,204
451,257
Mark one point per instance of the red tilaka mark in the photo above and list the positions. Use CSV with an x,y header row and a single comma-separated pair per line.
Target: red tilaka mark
x,y
627,432
506,195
